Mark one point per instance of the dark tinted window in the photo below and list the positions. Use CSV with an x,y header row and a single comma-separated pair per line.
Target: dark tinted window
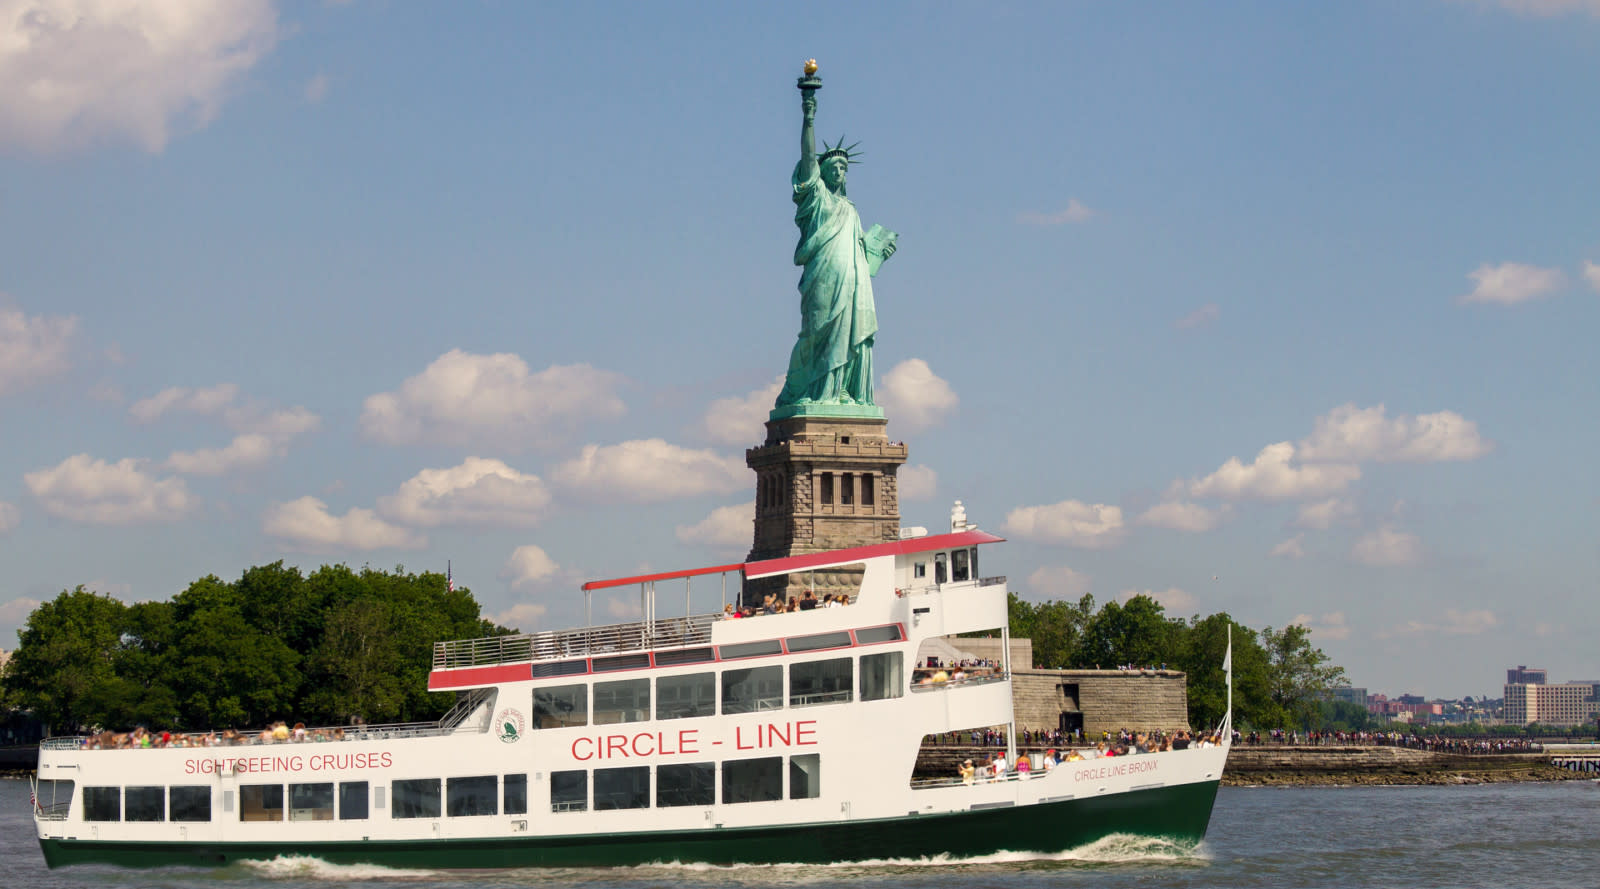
x,y
477,795
352,800
686,784
189,803
516,795
417,798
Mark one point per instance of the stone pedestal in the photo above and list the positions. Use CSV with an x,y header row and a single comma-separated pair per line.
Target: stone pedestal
x,y
822,483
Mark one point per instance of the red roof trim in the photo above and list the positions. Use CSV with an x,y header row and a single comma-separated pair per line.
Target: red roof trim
x,y
467,677
860,553
668,575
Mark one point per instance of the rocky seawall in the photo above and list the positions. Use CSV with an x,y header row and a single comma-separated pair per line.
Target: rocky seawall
x,y
1275,764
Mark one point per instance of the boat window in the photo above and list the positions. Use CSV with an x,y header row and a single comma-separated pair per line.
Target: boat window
x,y
749,649
678,697
958,565
919,570
939,575
144,804
102,804
472,796
686,784
353,800
820,682
311,802
805,776
626,700
560,706
560,668
569,791
869,635
747,691
515,800
54,797
752,780
974,552
190,802
415,798
685,656
625,788
882,676
621,662
261,802
818,642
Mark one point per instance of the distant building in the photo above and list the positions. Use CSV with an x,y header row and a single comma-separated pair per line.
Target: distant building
x,y
1357,696
1524,676
1570,703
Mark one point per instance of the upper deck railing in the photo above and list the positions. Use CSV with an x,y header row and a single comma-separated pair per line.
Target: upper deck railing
x,y
552,645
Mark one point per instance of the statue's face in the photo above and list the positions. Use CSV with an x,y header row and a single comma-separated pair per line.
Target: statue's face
x,y
833,172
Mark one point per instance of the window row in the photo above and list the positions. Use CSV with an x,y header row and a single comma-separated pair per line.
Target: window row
x,y
686,784
680,784
678,657
955,566
747,690
346,800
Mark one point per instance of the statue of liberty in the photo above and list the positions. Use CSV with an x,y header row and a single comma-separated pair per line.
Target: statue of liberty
x,y
832,359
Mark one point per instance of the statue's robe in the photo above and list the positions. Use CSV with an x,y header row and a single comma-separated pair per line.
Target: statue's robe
x,y
833,355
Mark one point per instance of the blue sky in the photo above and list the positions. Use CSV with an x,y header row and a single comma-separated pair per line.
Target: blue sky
x,y
1284,310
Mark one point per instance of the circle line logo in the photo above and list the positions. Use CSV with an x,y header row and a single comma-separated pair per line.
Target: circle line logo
x,y
509,725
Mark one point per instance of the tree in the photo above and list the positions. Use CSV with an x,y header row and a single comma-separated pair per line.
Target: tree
x,y
1054,628
66,657
1200,657
1299,675
1137,632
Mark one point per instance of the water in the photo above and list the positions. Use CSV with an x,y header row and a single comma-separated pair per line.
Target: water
x,y
1544,835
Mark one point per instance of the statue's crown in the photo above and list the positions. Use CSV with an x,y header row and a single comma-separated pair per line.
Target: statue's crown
x,y
849,154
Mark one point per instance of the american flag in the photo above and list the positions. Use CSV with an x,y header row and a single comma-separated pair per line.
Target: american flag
x,y
449,583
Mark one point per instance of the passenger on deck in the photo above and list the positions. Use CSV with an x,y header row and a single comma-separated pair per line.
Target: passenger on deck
x,y
968,772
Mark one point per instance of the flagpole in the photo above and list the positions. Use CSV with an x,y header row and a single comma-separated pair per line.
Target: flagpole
x,y
1227,669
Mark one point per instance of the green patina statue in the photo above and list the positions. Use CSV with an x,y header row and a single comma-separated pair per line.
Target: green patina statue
x,y
830,369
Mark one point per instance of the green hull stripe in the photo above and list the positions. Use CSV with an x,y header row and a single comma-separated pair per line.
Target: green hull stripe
x,y
1179,813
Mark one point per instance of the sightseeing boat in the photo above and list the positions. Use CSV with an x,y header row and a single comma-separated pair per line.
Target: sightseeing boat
x,y
778,738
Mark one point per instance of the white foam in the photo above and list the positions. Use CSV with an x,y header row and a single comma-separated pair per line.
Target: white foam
x,y
286,867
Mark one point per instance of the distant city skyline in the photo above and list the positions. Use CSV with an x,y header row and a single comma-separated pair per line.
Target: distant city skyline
x,y
1280,310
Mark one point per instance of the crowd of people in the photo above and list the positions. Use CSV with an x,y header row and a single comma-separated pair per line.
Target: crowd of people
x,y
276,733
773,604
997,767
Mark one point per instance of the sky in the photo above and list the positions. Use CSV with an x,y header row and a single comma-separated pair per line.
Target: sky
x,y
1279,309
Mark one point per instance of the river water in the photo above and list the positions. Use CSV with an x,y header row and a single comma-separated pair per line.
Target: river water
x,y
1500,835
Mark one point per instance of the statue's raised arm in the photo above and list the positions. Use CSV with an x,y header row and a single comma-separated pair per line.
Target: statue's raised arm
x,y
831,365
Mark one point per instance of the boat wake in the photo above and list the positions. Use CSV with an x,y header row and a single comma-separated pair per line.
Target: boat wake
x,y
1113,849
306,867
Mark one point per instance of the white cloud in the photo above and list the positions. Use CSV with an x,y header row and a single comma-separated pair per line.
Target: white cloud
x,y
83,489
1456,623
1328,626
307,524
1090,526
78,73
649,470
520,616
475,400
1199,317
1058,582
1075,212
1181,516
15,612
1271,477
624,610
528,567
245,452
1591,272
1291,548
317,89
1510,283
32,347
1176,601
1387,547
1324,514
480,491
914,397
1350,433
916,482
209,401
9,517
725,526
741,420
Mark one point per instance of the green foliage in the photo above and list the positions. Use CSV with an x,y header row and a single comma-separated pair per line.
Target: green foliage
x,y
324,649
1279,679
